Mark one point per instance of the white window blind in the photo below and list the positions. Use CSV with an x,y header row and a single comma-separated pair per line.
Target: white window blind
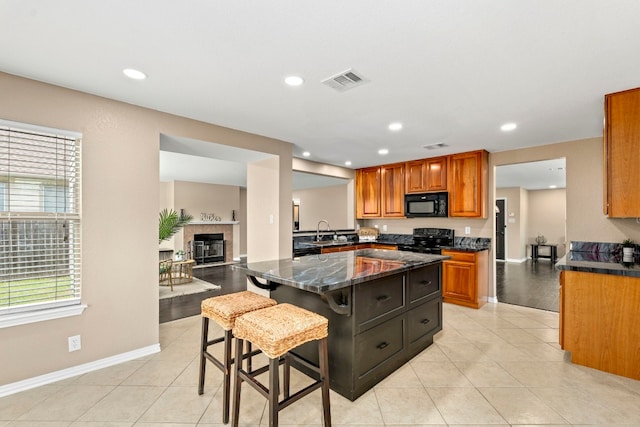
x,y
39,218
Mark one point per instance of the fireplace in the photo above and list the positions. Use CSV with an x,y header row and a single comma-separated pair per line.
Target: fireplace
x,y
207,248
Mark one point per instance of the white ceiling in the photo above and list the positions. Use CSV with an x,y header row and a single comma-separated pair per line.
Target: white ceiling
x,y
451,71
533,176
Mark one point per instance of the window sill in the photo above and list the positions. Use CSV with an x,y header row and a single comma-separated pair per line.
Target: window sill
x,y
18,319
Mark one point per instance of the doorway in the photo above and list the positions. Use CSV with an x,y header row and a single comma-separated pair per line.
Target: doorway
x,y
501,229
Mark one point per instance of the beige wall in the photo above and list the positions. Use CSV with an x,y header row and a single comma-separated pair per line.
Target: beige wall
x,y
328,203
120,196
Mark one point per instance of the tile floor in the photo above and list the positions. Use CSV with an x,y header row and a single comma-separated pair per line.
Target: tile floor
x,y
499,365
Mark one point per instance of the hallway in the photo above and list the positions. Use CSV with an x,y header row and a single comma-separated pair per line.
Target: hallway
x,y
529,284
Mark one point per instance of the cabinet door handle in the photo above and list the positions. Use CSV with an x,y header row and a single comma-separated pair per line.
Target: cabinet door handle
x,y
425,321
383,298
382,345
425,282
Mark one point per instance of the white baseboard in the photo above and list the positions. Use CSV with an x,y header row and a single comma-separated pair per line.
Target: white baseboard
x,y
519,261
493,300
63,374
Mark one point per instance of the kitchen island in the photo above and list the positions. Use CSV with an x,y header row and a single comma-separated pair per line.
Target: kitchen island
x,y
383,306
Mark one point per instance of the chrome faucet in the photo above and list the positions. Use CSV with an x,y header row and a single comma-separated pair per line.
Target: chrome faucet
x,y
318,229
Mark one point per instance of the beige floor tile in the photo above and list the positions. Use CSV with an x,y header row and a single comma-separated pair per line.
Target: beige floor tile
x,y
407,406
464,406
36,424
545,335
501,351
403,377
520,406
252,407
124,404
480,335
113,375
462,351
364,411
178,404
100,424
541,351
67,404
526,322
517,336
13,406
157,373
433,353
487,374
448,335
440,374
171,425
191,375
542,374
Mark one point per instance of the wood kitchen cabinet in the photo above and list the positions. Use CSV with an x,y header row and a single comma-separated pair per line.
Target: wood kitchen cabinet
x,y
465,279
344,248
368,192
380,191
426,175
468,184
598,321
622,154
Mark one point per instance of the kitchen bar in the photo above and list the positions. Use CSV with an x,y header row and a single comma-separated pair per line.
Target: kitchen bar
x,y
383,307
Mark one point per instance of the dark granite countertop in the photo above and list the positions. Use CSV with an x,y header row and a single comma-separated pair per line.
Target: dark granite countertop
x,y
603,263
328,272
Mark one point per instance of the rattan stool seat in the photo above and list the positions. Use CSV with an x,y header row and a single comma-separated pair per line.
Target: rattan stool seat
x,y
224,309
278,329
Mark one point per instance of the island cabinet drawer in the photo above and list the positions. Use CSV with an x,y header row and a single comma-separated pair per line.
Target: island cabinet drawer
x,y
377,346
424,282
422,323
377,300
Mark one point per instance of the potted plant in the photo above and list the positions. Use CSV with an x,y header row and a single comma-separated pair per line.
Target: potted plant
x,y
171,222
179,256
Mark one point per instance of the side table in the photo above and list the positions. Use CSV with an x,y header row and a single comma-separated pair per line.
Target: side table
x,y
553,252
182,271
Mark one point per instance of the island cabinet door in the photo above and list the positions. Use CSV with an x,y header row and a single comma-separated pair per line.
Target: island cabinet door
x,y
378,348
377,300
424,283
423,322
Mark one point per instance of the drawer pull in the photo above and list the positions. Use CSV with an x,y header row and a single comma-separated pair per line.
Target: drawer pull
x,y
425,321
383,298
425,282
382,345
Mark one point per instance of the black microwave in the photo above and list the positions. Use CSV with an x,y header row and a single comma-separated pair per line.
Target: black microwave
x,y
426,205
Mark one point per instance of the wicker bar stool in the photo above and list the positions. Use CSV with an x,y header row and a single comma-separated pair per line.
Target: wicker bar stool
x,y
277,330
224,310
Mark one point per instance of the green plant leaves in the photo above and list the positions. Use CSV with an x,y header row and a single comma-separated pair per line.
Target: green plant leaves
x,y
170,223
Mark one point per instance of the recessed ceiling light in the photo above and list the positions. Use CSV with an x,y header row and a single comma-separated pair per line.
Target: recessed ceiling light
x,y
396,126
507,127
134,74
553,186
294,80
306,154
347,163
383,151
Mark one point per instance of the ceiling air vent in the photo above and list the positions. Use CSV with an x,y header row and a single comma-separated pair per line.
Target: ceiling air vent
x,y
434,146
345,80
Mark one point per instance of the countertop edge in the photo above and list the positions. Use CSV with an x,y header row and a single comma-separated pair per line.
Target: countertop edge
x,y
597,267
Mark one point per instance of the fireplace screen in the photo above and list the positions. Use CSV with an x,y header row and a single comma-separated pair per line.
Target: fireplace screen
x,y
207,248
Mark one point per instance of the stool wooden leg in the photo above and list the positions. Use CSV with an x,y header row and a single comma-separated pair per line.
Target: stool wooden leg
x,y
324,375
228,335
203,348
237,383
274,391
287,376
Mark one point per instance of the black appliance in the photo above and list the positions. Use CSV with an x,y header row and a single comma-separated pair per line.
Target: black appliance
x,y
426,205
429,240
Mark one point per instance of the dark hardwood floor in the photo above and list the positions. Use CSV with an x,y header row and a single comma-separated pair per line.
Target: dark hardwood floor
x,y
189,305
530,284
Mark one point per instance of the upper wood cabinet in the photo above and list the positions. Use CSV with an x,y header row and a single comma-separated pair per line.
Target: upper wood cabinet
x,y
426,175
622,154
393,190
468,184
368,192
380,191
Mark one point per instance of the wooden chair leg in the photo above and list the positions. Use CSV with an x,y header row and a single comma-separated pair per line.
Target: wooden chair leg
x,y
324,375
203,347
274,391
237,384
227,376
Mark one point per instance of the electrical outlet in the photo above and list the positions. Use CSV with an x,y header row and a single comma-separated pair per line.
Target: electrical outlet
x,y
384,227
75,343
467,230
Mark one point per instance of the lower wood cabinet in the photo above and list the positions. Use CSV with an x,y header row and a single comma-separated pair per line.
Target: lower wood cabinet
x,y
344,248
384,323
465,278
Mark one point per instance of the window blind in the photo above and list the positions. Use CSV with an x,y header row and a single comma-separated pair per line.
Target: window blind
x,y
39,218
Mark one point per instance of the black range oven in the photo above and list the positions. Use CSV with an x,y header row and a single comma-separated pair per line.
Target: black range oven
x,y
429,240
